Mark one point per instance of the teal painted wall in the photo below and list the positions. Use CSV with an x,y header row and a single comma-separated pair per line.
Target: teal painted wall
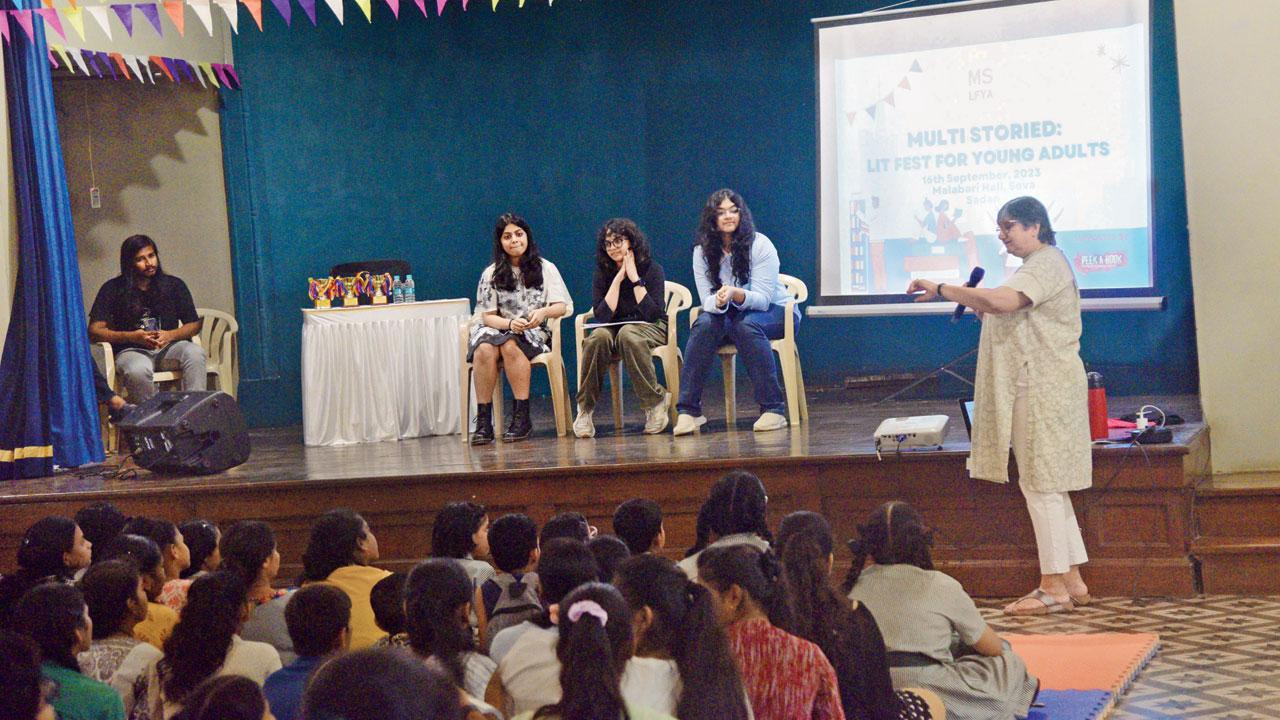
x,y
406,139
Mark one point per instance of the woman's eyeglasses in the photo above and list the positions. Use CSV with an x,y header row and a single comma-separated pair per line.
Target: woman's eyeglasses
x,y
614,242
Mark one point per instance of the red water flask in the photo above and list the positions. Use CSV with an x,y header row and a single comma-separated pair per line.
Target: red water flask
x,y
1097,407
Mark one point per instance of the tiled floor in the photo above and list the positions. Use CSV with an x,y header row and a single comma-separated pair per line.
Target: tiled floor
x,y
1219,655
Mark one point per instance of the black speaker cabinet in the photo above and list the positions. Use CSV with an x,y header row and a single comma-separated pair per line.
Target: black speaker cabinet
x,y
187,432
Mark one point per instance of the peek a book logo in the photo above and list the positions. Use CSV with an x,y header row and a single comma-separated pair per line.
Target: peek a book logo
x,y
1100,262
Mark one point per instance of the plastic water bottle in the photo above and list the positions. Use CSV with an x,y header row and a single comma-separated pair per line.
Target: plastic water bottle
x,y
409,294
397,292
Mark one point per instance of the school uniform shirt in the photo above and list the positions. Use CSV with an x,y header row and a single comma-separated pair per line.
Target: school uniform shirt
x,y
357,582
787,677
254,660
79,697
690,564
158,626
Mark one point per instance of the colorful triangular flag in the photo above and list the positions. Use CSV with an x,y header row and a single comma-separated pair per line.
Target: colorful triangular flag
x,y
4,25
99,15
889,99
53,59
440,6
232,12
132,62
395,7
174,8
118,59
904,84
75,18
366,7
24,19
336,7
159,61
495,5
286,12
309,7
422,5
78,58
125,13
872,111
851,116
230,70
255,11
152,14
915,66
208,71
201,9
52,20
200,76
170,69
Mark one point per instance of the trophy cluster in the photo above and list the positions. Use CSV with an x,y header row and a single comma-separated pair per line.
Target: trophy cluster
x,y
323,291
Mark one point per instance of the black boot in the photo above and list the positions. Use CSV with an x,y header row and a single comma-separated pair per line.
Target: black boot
x,y
520,426
483,434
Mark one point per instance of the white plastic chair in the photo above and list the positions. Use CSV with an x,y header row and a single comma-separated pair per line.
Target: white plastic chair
x,y
553,361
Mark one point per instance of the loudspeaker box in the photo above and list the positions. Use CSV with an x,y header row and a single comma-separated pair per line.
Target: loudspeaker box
x,y
187,432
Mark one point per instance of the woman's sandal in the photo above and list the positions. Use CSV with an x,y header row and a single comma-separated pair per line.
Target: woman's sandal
x,y
1081,600
1048,604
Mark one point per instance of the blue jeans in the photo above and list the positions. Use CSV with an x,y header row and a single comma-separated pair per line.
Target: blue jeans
x,y
750,331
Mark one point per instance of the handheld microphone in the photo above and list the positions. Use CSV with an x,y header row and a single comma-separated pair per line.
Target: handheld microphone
x,y
975,277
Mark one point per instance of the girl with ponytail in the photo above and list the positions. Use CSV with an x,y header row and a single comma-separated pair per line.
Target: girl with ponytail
x,y
682,663
437,603
594,647
919,610
786,676
248,548
848,636
734,514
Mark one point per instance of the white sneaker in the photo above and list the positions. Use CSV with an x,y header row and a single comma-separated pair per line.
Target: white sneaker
x,y
583,426
657,417
686,424
769,421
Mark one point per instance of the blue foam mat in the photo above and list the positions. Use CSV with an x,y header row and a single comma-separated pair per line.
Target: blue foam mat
x,y
1071,705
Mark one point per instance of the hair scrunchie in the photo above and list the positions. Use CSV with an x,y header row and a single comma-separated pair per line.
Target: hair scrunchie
x,y
588,607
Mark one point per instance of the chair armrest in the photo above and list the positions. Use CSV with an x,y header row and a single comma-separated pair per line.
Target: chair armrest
x,y
789,320
553,326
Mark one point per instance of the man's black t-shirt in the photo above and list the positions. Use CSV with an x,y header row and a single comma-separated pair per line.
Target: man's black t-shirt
x,y
167,300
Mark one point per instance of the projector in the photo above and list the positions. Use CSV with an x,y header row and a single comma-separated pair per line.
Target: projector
x,y
919,431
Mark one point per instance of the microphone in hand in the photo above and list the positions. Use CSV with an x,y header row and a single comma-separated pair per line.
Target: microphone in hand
x,y
975,277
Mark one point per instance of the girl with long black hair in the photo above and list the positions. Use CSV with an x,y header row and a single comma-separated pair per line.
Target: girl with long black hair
x,y
735,269
113,591
516,296
341,551
734,514
249,550
437,603
848,635
52,549
54,615
682,659
919,610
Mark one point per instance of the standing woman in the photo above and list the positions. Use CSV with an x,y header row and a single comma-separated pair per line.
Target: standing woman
x,y
736,271
1030,387
517,294
628,287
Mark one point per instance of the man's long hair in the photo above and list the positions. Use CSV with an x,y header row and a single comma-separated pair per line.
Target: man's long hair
x,y
129,249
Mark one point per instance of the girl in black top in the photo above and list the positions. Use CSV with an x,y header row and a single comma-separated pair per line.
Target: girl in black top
x,y
628,288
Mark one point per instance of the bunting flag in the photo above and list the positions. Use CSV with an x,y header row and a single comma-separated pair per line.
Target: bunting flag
x,y
208,72
53,59
51,19
99,15
200,77
124,11
202,11
366,7
79,61
904,84
24,19
118,59
173,8
255,11
336,7
495,5
140,66
393,4
440,6
888,100
105,61
159,62
422,5
4,25
152,14
170,69
233,14
230,73
871,111
915,66
309,7
286,12
75,18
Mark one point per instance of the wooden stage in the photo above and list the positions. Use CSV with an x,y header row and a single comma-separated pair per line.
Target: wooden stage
x,y
1137,519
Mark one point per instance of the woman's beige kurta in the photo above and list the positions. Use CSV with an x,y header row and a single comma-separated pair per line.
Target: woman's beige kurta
x,y
1045,337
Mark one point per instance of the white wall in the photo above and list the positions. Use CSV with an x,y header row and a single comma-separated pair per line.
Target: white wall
x,y
1228,57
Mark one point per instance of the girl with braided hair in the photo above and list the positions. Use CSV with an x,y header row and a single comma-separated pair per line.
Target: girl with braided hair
x,y
735,514
918,610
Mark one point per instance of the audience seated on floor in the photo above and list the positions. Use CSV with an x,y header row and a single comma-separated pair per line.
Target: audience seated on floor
x,y
319,621
734,514
341,551
226,697
437,603
510,597
387,599
54,615
639,523
610,552
248,548
52,549
394,685
22,698
144,552
117,600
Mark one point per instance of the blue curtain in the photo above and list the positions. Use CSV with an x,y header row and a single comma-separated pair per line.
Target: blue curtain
x,y
48,414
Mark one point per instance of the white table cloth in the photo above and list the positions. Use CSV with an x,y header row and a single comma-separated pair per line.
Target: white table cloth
x,y
381,372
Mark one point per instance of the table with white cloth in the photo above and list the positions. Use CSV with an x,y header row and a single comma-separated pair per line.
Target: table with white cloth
x,y
381,372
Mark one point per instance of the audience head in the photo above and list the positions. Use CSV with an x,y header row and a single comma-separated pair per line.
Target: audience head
x,y
53,546
202,539
460,530
54,615
636,242
609,552
565,565
393,685
248,548
216,606
675,617
744,580
387,600
437,603
566,525
513,542
319,619
893,534
593,649
144,553
639,523
173,547
225,697
114,592
736,505
101,522
338,539
20,677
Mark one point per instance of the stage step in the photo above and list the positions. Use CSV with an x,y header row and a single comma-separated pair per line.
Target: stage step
x,y
1237,518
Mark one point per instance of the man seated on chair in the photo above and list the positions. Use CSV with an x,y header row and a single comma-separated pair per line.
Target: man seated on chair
x,y
149,319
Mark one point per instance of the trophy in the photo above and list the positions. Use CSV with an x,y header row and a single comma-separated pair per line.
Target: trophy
x,y
350,288
379,282
320,291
